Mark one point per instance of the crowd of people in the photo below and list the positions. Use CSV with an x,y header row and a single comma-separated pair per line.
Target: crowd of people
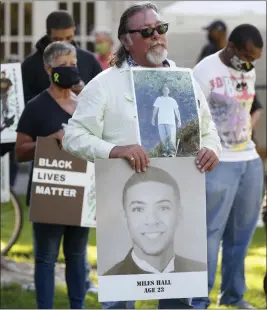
x,y
88,102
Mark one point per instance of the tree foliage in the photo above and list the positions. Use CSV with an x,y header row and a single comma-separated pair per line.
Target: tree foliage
x,y
177,81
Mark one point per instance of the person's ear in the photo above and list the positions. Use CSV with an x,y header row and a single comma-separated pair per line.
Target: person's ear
x,y
230,45
126,41
48,70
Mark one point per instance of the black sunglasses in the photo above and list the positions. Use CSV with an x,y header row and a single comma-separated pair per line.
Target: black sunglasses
x,y
148,32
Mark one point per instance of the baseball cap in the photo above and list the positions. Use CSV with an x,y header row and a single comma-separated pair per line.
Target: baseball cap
x,y
216,25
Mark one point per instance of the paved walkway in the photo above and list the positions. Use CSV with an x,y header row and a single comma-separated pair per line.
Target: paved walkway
x,y
22,273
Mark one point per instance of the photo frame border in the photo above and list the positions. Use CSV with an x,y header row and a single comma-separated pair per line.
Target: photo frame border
x,y
166,69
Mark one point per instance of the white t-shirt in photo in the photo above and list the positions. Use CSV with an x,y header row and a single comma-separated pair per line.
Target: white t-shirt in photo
x,y
166,106
230,105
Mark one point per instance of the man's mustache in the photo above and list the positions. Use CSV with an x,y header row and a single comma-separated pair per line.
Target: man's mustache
x,y
156,43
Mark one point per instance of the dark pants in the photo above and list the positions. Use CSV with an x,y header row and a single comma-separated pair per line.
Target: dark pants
x,y
183,303
46,247
178,303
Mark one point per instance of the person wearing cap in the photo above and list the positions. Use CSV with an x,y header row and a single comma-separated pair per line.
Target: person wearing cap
x,y
217,37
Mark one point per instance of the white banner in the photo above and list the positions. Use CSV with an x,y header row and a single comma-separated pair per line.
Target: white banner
x,y
12,100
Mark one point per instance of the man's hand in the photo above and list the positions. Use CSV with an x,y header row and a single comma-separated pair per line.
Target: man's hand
x,y
78,87
59,136
206,160
153,122
135,154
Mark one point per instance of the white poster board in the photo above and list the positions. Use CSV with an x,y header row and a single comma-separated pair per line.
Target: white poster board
x,y
5,187
151,230
12,100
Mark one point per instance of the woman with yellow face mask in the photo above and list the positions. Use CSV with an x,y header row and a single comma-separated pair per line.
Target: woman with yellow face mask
x,y
103,48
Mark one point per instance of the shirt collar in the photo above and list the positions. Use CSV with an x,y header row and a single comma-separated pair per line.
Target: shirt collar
x,y
132,63
148,268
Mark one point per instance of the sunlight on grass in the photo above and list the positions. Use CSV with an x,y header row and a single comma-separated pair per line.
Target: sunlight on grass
x,y
261,251
24,249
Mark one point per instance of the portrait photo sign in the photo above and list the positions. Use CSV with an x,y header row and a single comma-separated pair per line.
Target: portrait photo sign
x,y
151,230
63,187
167,111
12,100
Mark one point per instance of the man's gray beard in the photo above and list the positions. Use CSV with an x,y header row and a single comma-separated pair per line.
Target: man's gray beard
x,y
157,58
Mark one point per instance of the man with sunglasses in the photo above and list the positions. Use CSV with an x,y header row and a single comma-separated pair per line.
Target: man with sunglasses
x,y
104,124
235,187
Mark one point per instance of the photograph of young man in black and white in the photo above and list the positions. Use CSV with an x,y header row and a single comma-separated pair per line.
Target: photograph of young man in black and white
x,y
166,110
152,208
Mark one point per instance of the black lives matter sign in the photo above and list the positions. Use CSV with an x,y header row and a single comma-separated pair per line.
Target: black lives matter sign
x,y
61,187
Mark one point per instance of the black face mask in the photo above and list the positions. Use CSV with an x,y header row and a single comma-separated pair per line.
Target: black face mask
x,y
65,77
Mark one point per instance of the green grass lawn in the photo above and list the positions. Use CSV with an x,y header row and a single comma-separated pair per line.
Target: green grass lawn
x,y
13,297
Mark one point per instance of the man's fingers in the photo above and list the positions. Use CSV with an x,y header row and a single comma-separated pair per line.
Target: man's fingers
x,y
137,162
143,160
205,159
208,164
200,154
137,158
130,159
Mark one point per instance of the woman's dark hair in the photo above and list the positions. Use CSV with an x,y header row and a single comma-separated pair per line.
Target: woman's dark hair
x,y
59,20
121,55
244,33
